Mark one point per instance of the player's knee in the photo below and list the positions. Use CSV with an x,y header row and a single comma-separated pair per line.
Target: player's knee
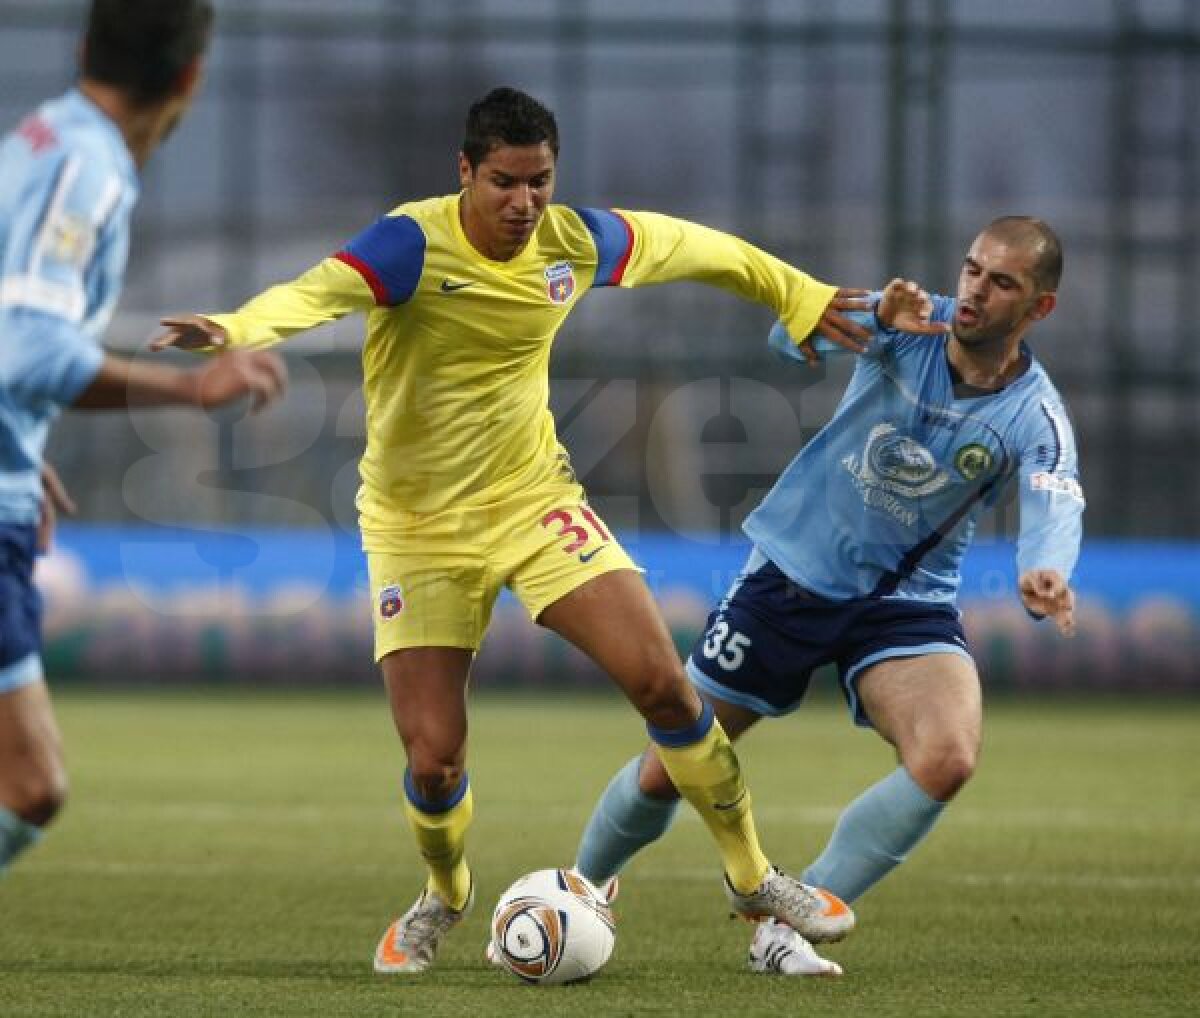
x,y
943,767
38,795
664,697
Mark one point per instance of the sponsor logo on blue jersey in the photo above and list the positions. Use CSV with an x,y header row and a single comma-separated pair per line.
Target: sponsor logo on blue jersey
x,y
1056,485
897,463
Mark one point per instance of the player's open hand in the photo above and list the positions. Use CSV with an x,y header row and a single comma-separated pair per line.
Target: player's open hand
x,y
55,500
839,329
190,332
231,376
1046,594
907,308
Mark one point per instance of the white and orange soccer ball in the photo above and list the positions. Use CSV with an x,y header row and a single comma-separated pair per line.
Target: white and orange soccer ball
x,y
552,927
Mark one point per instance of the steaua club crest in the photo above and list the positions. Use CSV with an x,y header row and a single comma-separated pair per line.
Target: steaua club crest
x,y
560,282
391,601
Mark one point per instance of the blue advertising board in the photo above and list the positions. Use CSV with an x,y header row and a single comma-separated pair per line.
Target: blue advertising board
x,y
182,605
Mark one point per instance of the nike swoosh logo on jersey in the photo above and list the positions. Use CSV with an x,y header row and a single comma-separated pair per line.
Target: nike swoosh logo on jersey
x,y
587,556
449,287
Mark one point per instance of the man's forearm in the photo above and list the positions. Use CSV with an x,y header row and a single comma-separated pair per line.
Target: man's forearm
x,y
122,383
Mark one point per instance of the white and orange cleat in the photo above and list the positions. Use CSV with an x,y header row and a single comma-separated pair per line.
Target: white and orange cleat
x,y
779,950
816,914
411,942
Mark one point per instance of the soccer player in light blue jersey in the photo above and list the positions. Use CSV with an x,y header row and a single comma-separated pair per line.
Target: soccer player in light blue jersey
x,y
856,559
68,183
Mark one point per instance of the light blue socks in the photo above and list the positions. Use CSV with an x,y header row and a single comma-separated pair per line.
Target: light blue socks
x,y
624,821
873,835
15,836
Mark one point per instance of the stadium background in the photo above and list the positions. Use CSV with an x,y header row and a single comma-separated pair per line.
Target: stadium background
x,y
857,139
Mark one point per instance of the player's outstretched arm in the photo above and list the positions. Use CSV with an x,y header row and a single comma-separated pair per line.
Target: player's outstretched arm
x,y
654,248
227,378
1046,594
905,307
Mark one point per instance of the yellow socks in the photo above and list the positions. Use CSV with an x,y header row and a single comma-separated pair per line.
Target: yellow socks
x,y
441,832
702,764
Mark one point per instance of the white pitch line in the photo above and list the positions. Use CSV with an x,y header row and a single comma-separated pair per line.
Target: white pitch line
x,y
303,814
658,874
135,868
1105,881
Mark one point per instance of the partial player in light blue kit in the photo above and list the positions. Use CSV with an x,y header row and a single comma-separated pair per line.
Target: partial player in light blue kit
x,y
68,183
857,555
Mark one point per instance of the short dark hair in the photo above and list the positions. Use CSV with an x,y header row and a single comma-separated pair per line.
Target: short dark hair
x,y
142,46
1034,233
507,116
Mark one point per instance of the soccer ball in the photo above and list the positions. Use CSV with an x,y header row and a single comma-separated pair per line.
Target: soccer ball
x,y
552,927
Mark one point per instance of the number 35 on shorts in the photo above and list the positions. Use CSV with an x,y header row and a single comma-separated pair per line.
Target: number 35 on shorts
x,y
725,646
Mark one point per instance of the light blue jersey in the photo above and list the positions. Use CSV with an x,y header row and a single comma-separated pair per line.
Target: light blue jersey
x,y
884,500
67,187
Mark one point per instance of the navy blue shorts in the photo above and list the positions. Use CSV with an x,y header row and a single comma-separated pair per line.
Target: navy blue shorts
x,y
768,636
20,607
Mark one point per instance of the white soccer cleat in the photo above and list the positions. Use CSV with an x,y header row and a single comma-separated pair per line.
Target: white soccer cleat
x,y
411,942
813,912
610,888
778,949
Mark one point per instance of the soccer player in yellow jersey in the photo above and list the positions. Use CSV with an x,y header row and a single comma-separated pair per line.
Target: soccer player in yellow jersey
x,y
465,488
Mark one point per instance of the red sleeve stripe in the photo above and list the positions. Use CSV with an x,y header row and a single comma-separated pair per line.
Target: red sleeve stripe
x,y
368,275
619,271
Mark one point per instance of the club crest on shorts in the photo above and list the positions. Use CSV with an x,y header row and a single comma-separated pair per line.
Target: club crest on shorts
x,y
391,601
560,282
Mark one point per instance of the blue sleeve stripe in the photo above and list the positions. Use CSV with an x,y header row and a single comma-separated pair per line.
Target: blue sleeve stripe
x,y
614,244
1059,444
674,738
390,256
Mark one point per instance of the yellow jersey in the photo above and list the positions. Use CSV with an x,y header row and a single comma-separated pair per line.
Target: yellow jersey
x,y
456,359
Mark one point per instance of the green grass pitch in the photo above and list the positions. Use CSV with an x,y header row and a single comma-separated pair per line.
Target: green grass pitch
x,y
239,855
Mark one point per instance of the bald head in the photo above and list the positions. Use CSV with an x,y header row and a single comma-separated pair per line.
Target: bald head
x,y
1036,237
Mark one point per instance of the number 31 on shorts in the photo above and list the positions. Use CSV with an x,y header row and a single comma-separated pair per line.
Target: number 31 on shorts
x,y
727,648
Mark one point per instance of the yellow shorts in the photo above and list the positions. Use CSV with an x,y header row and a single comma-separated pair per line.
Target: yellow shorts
x,y
434,583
